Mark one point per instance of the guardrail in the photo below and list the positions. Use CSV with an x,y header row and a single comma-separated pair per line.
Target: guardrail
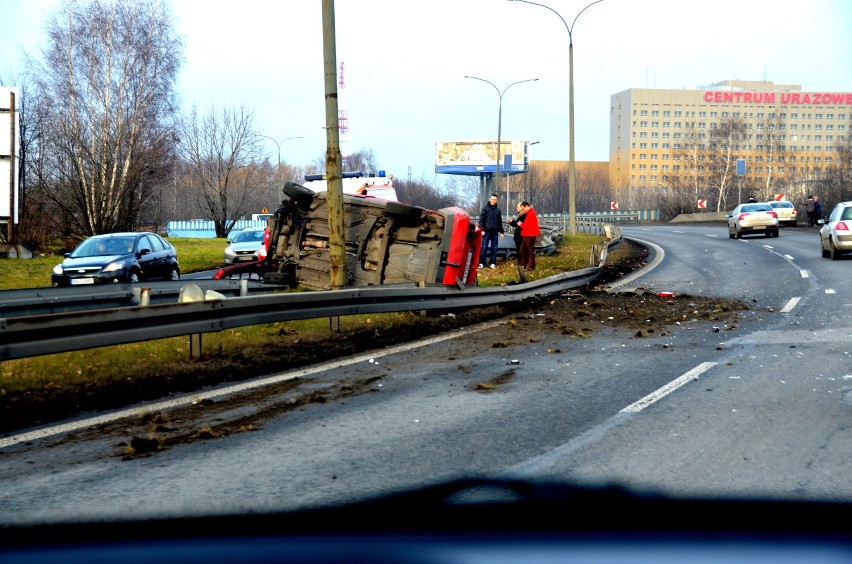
x,y
36,335
40,301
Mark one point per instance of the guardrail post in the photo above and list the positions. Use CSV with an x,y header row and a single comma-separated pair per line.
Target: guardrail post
x,y
195,345
334,324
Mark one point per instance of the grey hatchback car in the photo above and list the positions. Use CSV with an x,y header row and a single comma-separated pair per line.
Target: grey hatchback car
x,y
752,219
835,235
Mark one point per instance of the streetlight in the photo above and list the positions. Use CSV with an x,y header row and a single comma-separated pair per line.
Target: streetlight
x,y
278,144
572,195
499,126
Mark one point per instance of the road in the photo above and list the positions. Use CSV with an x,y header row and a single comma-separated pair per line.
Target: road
x,y
761,410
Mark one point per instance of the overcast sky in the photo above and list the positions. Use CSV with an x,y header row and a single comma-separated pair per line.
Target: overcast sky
x,y
405,63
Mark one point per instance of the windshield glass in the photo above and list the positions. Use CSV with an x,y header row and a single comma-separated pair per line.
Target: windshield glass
x,y
248,236
104,246
636,333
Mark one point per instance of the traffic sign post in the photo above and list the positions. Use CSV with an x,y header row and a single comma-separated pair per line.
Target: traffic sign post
x,y
741,171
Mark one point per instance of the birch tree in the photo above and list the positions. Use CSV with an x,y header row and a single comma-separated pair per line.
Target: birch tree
x,y
109,72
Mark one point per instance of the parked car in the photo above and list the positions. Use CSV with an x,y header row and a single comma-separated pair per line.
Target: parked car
x,y
245,246
786,212
751,219
835,235
545,244
118,257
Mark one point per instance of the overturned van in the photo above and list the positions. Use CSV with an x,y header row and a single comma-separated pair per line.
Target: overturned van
x,y
386,242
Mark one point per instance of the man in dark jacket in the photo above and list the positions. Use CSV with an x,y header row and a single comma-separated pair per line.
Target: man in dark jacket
x,y
491,223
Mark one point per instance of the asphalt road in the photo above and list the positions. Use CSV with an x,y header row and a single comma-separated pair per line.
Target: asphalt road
x,y
763,410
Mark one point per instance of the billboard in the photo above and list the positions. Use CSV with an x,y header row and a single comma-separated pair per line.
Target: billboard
x,y
477,157
9,144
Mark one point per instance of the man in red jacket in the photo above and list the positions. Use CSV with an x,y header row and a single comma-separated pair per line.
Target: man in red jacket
x,y
529,232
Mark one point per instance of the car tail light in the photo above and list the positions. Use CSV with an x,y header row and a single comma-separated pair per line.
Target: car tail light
x,y
743,216
793,212
841,226
773,214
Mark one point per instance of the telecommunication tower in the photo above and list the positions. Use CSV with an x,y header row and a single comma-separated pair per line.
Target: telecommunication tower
x,y
343,119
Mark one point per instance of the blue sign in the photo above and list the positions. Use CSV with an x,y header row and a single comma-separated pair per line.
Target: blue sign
x,y
741,169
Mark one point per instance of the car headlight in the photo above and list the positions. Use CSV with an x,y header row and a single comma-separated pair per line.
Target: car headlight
x,y
113,266
58,270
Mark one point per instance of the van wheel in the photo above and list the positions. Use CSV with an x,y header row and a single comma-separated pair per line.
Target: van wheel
x,y
301,195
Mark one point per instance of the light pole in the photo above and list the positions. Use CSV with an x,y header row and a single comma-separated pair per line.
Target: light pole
x,y
278,144
499,127
572,172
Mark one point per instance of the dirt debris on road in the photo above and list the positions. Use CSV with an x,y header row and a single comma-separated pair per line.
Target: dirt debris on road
x,y
577,314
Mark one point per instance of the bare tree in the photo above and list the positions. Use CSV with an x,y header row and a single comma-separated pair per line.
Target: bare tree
x,y
221,151
108,82
726,139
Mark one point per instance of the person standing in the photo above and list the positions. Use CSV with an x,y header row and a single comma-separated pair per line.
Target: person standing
x,y
529,231
817,210
810,207
516,233
491,223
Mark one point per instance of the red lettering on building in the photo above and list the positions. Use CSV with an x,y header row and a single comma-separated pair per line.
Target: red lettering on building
x,y
812,98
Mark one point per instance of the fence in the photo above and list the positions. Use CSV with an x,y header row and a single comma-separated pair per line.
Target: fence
x,y
206,229
591,221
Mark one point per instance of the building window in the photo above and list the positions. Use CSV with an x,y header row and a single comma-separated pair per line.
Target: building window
x,y
643,124
655,124
655,113
644,113
666,113
678,114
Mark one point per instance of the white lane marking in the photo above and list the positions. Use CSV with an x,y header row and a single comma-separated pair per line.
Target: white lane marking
x,y
829,291
194,398
668,388
790,305
788,257
804,273
538,464
770,247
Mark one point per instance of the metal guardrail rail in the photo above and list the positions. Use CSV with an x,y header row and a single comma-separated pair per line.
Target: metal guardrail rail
x,y
35,335
38,301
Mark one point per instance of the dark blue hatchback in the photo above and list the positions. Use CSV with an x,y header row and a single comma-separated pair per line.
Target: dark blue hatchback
x,y
118,257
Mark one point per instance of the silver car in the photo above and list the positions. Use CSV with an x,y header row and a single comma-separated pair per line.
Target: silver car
x,y
835,235
244,246
787,214
752,219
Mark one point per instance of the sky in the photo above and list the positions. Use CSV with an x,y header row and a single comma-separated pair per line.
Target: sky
x,y
405,64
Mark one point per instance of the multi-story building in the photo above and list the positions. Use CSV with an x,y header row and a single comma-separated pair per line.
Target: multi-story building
x,y
648,128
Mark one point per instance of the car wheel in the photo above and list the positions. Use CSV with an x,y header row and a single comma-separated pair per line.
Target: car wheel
x,y
823,250
739,235
174,274
835,254
134,277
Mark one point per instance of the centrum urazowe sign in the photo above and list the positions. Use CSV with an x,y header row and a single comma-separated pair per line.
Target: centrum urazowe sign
x,y
787,98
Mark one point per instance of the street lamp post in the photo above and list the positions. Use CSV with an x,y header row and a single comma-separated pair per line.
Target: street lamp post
x,y
572,172
278,144
499,128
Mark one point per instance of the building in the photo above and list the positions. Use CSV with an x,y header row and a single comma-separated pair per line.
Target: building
x,y
648,128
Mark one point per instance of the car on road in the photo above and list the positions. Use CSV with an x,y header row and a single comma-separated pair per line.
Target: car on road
x,y
245,246
752,219
835,235
786,212
118,258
